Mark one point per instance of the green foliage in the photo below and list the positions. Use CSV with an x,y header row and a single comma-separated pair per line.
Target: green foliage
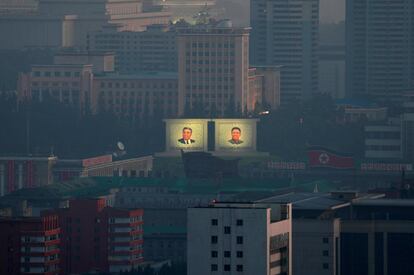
x,y
52,126
289,130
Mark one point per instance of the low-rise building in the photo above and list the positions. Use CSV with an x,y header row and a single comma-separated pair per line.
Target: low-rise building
x,y
383,141
25,172
102,166
69,84
136,96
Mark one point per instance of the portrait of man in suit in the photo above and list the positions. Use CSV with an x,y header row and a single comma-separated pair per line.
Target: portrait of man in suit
x,y
186,136
235,136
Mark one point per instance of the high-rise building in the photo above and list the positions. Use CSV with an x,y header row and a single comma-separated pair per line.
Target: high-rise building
x,y
380,48
285,32
30,245
407,129
213,68
98,237
236,238
332,70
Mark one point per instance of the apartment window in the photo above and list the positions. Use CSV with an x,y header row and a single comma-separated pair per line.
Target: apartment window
x,y
214,254
325,266
227,267
227,254
214,267
239,222
325,253
214,239
227,230
239,239
325,240
239,254
214,222
239,267
67,74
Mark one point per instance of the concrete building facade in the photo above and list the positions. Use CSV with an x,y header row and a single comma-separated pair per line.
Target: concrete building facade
x,y
152,50
67,23
30,245
100,238
331,67
234,238
67,83
25,172
286,33
380,49
384,141
213,68
136,96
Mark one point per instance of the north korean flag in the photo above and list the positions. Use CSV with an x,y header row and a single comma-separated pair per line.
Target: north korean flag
x,y
326,158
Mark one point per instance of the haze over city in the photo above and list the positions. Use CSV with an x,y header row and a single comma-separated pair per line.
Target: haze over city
x,y
206,137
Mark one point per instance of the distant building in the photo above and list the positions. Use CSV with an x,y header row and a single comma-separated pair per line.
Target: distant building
x,y
331,67
380,49
233,238
377,237
137,95
100,238
383,141
264,88
102,166
102,61
286,33
152,50
70,84
165,215
213,69
57,24
408,127
25,172
30,245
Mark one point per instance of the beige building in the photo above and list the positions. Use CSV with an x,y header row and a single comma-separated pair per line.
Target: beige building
x,y
57,23
102,166
138,95
213,68
68,84
239,238
264,87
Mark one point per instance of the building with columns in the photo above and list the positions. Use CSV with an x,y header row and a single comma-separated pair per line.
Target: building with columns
x,y
25,172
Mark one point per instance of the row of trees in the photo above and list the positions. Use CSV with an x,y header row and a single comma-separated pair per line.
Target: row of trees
x,y
50,126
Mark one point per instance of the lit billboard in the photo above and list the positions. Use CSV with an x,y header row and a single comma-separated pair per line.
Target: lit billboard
x,y
235,134
186,134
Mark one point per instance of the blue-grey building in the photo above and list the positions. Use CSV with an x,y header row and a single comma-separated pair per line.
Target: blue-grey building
x,y
285,32
380,48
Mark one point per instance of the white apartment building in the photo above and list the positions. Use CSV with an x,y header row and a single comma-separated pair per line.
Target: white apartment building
x,y
239,238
